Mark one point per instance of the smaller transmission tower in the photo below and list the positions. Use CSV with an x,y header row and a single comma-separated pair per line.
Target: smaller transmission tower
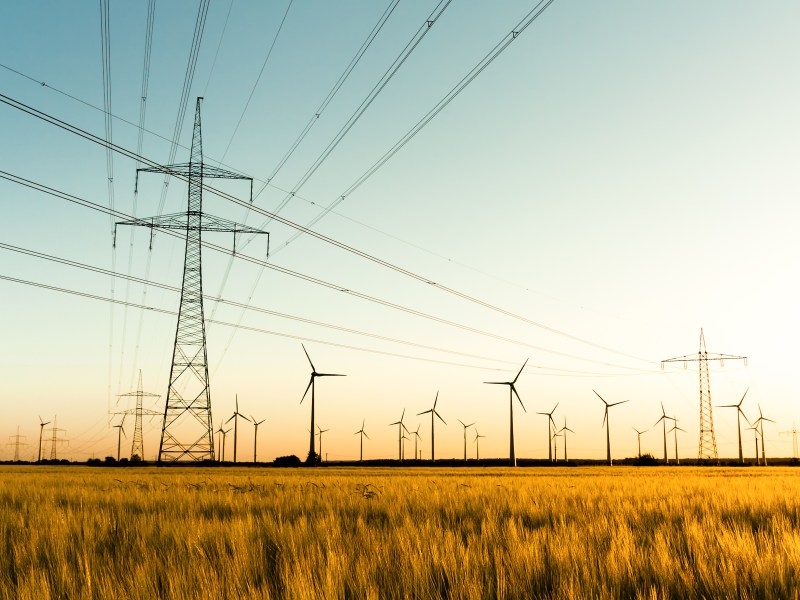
x,y
17,442
55,440
707,448
137,446
794,431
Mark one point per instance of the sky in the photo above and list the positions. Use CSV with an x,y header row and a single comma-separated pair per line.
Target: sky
x,y
622,175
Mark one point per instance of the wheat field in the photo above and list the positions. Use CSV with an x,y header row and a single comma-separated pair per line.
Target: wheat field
x,y
81,532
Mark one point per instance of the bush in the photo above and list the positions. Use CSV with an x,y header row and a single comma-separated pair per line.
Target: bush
x,y
287,461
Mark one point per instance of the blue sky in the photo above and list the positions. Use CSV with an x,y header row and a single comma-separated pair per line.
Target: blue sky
x,y
624,172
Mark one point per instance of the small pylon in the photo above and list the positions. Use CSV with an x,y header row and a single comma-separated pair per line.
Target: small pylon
x,y
16,443
137,445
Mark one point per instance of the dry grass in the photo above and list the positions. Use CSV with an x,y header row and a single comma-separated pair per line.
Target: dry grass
x,y
369,533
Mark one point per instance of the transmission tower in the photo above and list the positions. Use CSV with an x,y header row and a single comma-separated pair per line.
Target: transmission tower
x,y
16,443
137,446
187,427
707,448
794,431
55,440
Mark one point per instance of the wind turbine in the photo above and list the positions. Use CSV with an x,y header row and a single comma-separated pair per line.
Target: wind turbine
x,y
639,439
219,444
311,452
563,431
478,436
465,426
676,429
403,439
224,433
120,433
739,414
760,420
400,427
41,431
556,435
417,437
755,437
433,412
663,420
321,431
512,458
608,425
363,434
255,436
235,418
551,425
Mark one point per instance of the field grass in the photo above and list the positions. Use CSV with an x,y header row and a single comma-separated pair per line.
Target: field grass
x,y
79,532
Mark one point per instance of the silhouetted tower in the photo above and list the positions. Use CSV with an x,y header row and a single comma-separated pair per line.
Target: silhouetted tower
x,y
137,446
708,444
55,440
17,442
187,430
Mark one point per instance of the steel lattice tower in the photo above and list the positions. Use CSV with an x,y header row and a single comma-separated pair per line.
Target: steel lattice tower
x,y
137,445
187,430
707,448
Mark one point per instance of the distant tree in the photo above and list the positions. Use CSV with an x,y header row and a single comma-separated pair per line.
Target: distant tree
x,y
312,459
646,460
136,458
110,460
288,461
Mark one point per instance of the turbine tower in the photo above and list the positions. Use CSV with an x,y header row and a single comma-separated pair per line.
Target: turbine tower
x,y
363,435
255,437
739,414
312,454
120,433
707,448
465,426
235,418
187,430
551,425
478,437
663,420
563,431
321,431
41,431
512,456
760,421
417,438
400,427
137,446
639,439
676,429
607,423
433,412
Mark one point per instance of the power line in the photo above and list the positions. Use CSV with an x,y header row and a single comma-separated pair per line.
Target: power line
x,y
218,300
341,245
447,99
255,84
219,45
164,311
418,36
99,208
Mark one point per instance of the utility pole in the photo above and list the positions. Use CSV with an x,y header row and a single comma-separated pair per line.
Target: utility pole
x,y
137,446
707,448
17,443
187,430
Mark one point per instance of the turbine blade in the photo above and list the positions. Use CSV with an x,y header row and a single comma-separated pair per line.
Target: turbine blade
x,y
308,357
497,382
365,435
514,391
231,419
310,382
462,423
330,375
435,400
605,416
620,402
520,371
440,417
425,412
245,418
745,394
555,407
601,398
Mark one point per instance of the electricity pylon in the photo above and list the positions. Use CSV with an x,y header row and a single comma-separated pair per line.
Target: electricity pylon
x,y
794,431
187,430
137,446
55,440
707,448
17,443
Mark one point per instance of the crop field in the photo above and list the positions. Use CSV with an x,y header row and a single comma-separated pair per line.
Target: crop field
x,y
81,532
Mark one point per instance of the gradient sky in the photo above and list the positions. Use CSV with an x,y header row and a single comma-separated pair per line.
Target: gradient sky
x,y
624,172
